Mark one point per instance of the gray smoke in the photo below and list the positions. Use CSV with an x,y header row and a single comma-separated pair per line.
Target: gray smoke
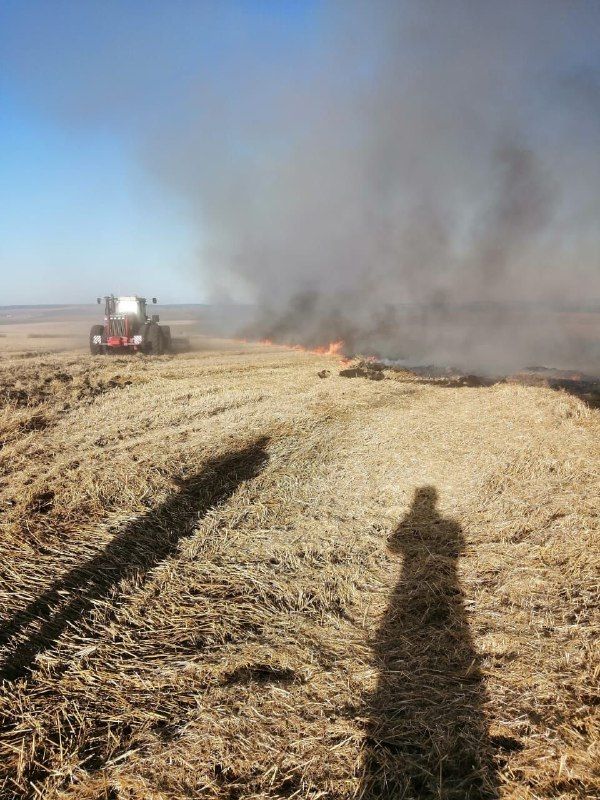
x,y
424,182
419,178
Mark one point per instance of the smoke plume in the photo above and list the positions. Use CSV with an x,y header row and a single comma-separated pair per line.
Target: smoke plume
x,y
422,182
418,178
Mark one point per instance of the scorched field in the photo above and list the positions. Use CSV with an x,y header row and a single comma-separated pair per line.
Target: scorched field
x,y
223,576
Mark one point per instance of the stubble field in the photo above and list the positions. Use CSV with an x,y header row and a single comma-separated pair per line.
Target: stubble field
x,y
223,576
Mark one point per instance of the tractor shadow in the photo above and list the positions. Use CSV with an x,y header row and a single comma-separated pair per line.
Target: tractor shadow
x,y
427,734
132,553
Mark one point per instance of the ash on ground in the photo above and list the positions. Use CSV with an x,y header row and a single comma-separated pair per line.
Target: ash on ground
x,y
582,385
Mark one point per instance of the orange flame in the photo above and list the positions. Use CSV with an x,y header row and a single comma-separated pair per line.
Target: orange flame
x,y
331,349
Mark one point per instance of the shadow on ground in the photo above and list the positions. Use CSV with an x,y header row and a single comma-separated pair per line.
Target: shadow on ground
x,y
427,734
131,554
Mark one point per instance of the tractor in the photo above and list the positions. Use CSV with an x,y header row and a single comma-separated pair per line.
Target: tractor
x,y
127,326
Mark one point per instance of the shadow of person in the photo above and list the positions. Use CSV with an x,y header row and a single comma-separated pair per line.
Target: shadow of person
x,y
133,551
427,735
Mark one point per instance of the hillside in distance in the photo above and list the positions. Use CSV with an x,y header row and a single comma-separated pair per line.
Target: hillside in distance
x,y
55,328
489,339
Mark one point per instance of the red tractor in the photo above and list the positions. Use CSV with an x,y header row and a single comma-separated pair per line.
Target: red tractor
x,y
127,326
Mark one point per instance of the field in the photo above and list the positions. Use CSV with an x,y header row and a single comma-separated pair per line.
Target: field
x,y
223,576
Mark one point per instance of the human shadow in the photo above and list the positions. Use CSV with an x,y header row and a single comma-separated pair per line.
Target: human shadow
x,y
133,551
427,734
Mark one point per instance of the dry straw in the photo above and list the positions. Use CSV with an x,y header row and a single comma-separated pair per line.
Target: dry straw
x,y
222,576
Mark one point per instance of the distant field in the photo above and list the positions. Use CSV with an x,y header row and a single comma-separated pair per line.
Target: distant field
x,y
223,576
54,329
485,340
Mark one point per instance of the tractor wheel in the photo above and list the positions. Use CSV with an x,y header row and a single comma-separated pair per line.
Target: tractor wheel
x,y
166,336
153,340
95,347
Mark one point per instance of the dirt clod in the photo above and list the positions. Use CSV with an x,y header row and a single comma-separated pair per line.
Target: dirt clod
x,y
364,368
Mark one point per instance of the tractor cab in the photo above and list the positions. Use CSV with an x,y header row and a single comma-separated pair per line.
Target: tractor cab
x,y
133,307
127,325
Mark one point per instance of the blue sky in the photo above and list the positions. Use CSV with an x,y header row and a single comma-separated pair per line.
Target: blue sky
x,y
80,212
257,149
79,218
